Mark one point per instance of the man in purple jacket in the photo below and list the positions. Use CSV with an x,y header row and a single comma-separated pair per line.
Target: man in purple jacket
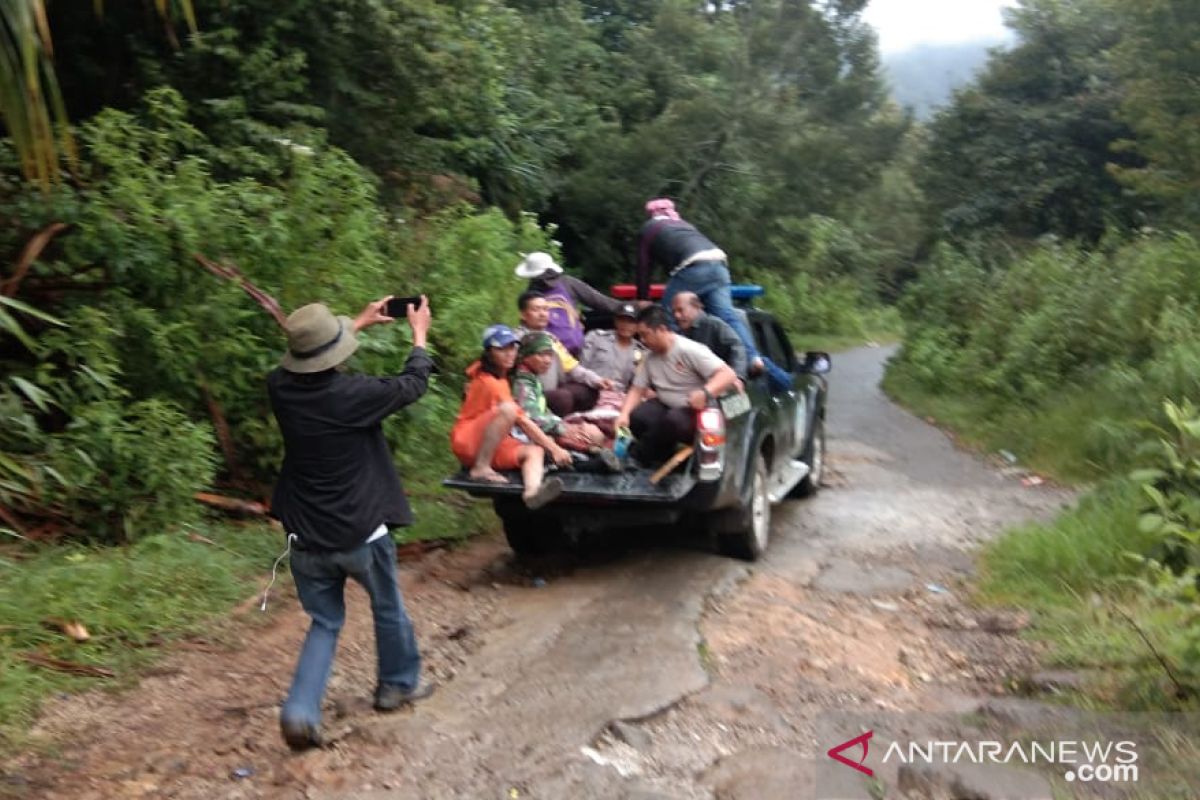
x,y
564,294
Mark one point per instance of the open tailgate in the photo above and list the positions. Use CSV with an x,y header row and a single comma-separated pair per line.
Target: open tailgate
x,y
631,486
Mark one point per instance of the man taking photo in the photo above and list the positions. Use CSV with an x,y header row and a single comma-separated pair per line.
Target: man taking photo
x,y
337,495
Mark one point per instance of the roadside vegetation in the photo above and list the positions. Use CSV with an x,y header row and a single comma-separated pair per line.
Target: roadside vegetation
x,y
177,178
1054,319
190,177
129,602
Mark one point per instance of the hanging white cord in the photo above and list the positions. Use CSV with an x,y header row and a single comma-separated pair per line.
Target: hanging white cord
x,y
275,568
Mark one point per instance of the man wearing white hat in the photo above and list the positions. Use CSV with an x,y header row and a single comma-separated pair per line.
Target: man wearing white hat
x,y
337,495
564,294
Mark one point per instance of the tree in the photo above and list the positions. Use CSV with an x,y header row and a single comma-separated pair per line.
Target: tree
x,y
1158,61
752,115
31,103
1024,151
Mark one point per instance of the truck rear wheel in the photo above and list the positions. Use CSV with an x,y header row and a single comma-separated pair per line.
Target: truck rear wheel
x,y
528,533
752,529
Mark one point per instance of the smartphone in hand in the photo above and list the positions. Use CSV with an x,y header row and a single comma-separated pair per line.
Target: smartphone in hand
x,y
397,307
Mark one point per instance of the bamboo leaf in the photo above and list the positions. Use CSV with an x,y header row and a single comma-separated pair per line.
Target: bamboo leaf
x,y
36,395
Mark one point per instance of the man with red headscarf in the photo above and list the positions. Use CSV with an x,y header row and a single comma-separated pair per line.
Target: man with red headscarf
x,y
695,264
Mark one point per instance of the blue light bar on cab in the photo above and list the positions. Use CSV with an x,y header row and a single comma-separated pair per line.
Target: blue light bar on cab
x,y
746,291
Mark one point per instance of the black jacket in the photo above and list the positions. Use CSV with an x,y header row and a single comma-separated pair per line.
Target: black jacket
x,y
667,242
338,482
717,334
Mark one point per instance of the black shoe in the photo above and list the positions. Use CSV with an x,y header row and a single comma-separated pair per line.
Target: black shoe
x,y
548,492
607,461
301,735
390,698
600,462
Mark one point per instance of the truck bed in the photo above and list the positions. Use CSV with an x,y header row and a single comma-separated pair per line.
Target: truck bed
x,y
631,486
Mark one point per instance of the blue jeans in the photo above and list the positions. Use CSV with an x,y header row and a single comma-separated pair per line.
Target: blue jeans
x,y
320,577
710,281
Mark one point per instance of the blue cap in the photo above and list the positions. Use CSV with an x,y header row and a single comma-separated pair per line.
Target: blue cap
x,y
499,336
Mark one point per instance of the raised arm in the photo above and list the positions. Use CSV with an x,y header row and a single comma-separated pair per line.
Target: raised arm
x,y
590,296
376,398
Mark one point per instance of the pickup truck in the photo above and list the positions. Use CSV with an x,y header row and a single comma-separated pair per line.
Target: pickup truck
x,y
752,450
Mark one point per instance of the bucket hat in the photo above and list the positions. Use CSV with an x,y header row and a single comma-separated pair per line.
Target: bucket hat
x,y
534,265
317,340
535,342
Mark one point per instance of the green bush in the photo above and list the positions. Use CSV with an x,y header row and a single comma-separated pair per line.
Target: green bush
x,y
1074,346
132,470
829,286
129,391
1171,505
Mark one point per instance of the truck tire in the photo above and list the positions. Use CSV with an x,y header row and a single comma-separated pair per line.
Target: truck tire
x,y
528,533
752,530
814,456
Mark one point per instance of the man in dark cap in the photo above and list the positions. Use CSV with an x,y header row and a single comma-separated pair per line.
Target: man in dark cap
x,y
615,354
337,495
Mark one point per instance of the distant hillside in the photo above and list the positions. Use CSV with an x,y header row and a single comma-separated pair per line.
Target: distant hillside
x,y
925,76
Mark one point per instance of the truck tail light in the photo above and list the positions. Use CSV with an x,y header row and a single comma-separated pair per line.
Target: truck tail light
x,y
710,423
710,431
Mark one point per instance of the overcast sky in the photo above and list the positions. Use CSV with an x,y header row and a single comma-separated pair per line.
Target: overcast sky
x,y
905,23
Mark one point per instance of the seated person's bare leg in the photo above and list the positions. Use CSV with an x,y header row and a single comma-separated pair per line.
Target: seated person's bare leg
x,y
533,467
538,491
500,426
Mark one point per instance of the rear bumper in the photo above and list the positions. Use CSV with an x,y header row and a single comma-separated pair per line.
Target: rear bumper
x,y
628,488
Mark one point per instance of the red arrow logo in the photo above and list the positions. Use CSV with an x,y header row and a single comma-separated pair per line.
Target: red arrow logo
x,y
836,753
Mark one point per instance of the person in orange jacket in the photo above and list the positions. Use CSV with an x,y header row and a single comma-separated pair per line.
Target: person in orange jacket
x,y
482,437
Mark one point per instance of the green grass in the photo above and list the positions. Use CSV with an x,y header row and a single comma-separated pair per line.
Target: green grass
x,y
1042,565
165,587
130,599
1084,435
443,514
1076,574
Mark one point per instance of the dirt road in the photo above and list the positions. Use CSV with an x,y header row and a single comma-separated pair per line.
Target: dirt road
x,y
659,671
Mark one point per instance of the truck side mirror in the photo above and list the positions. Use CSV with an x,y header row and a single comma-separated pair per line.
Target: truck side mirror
x,y
816,363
